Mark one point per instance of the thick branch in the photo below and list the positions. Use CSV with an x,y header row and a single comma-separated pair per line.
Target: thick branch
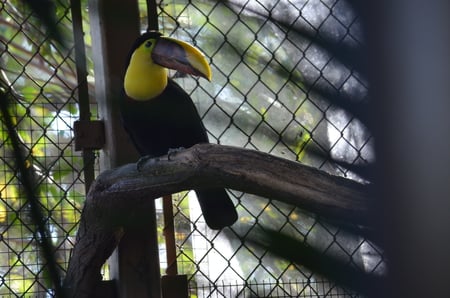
x,y
119,197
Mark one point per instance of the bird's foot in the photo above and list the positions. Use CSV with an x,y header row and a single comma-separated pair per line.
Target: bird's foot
x,y
173,151
140,163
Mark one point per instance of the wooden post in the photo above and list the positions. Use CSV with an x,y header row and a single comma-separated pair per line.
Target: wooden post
x,y
114,27
172,284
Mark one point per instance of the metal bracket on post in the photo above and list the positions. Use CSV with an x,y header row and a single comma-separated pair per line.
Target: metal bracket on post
x,y
89,134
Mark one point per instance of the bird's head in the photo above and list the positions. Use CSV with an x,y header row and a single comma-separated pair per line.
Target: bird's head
x,y
151,55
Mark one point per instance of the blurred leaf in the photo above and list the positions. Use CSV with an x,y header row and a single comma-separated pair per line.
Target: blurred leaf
x,y
73,109
29,93
3,214
45,10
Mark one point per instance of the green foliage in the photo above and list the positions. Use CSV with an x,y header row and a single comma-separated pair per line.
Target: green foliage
x,y
39,74
272,76
255,75
255,81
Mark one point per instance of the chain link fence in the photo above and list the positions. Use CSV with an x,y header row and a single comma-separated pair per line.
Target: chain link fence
x,y
274,89
41,81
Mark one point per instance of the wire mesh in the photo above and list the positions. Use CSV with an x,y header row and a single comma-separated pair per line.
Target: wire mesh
x,y
275,89
280,72
264,288
40,78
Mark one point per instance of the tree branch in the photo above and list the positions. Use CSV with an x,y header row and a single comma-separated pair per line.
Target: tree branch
x,y
120,197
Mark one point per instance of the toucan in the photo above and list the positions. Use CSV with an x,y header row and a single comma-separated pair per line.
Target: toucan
x,y
159,115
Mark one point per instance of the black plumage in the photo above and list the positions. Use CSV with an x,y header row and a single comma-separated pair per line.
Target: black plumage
x,y
171,121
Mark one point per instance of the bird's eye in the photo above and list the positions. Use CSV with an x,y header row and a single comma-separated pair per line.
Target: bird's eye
x,y
148,44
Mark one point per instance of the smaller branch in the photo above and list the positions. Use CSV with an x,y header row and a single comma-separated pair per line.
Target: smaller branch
x,y
122,196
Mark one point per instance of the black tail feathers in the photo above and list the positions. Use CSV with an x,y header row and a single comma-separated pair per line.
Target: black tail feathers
x,y
217,207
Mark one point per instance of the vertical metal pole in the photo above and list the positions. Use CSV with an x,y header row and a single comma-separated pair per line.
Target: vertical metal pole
x,y
114,27
169,229
169,235
173,285
83,92
152,15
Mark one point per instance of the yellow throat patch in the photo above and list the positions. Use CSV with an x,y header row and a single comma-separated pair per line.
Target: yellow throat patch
x,y
144,79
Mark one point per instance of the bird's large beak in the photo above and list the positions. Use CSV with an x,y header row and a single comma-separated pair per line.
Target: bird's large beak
x,y
181,56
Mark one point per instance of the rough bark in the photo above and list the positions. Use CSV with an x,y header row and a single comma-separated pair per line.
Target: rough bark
x,y
120,197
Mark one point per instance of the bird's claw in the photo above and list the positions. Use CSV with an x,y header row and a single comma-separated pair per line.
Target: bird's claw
x,y
174,151
140,163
